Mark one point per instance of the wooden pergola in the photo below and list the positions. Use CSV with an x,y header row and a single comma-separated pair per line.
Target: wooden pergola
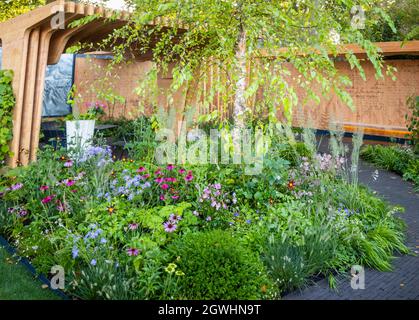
x,y
34,40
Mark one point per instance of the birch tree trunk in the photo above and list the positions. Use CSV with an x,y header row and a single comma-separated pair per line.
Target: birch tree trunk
x,y
239,100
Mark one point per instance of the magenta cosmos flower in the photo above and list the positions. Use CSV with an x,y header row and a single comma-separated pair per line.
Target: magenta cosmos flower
x,y
159,180
182,171
48,199
141,169
44,188
189,177
170,167
133,252
162,197
165,186
169,226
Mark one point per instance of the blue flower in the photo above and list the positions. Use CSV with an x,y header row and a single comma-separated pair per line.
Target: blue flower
x,y
103,240
93,262
248,221
75,252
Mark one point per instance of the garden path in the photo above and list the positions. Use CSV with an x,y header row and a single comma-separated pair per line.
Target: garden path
x,y
403,282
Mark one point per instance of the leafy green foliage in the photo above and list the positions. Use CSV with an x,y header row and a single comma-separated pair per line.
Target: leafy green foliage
x,y
217,266
413,120
404,15
12,8
401,160
7,103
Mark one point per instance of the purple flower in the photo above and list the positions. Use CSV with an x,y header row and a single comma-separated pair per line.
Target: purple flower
x,y
93,262
174,218
217,186
133,252
182,171
61,206
195,213
16,186
141,169
133,226
169,226
44,188
170,167
162,197
68,164
189,177
249,221
209,218
175,197
165,186
23,213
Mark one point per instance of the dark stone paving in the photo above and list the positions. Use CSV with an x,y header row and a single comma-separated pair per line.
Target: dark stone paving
x,y
403,282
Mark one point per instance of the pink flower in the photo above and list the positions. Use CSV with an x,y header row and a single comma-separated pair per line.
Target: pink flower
x,y
182,171
169,226
61,206
158,172
174,218
175,197
44,188
189,177
170,167
141,169
68,164
146,176
133,226
133,252
159,180
73,191
170,180
165,186
48,199
70,183
162,197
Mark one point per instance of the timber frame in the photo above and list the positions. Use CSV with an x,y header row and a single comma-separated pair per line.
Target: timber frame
x,y
34,40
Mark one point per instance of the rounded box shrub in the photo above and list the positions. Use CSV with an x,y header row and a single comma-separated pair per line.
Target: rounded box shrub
x,y
217,267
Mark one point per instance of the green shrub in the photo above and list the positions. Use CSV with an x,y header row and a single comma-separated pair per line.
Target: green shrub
x,y
413,120
217,266
394,158
290,264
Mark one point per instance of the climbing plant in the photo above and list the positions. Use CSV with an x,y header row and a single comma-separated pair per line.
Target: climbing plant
x,y
12,8
7,102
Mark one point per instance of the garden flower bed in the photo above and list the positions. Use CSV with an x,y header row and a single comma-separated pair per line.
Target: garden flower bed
x,y
131,229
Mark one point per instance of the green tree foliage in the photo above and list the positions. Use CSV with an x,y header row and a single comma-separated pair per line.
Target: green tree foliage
x,y
230,36
7,102
13,8
404,13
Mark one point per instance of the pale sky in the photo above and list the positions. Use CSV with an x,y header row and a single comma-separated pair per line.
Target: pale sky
x,y
116,4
